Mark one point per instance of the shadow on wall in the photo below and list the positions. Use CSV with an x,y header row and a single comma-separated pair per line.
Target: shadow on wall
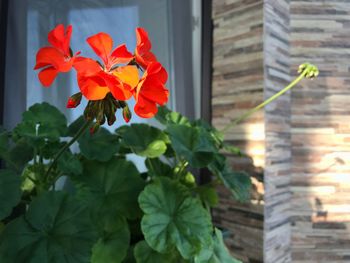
x,y
243,223
321,165
321,133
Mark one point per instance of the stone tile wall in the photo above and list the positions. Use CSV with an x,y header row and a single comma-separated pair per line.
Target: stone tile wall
x,y
298,149
320,180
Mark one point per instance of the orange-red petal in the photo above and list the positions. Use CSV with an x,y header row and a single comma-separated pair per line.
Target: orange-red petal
x,y
145,108
155,68
93,87
47,76
128,75
145,59
102,44
52,56
153,91
121,55
119,90
143,44
86,66
61,39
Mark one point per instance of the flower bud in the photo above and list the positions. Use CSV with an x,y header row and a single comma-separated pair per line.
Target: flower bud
x,y
94,128
111,119
88,114
74,100
126,114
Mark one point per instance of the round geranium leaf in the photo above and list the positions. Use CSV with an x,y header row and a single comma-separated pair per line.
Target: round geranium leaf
x,y
10,192
144,140
145,254
194,144
112,247
100,146
111,188
42,121
166,117
69,164
55,229
173,219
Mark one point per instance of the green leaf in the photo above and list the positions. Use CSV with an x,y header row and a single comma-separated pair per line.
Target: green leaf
x,y
130,258
208,195
113,246
42,121
144,254
100,146
17,156
51,148
217,253
69,163
144,140
75,126
217,136
192,143
56,229
157,168
10,192
111,187
20,154
166,117
238,182
173,219
232,149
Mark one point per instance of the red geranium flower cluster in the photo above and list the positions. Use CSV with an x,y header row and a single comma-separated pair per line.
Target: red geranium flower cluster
x,y
110,83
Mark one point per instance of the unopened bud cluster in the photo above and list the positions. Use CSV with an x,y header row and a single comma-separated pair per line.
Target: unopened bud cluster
x,y
310,70
105,110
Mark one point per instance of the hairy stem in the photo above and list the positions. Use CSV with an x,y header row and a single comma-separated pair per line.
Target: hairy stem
x,y
65,147
263,104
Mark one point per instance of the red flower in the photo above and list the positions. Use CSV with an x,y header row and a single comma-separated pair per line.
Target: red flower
x,y
151,90
96,80
57,57
143,55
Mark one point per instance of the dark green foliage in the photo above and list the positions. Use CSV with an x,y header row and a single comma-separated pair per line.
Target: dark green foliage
x,y
113,243
173,218
192,143
158,168
144,140
100,146
10,192
111,188
145,254
56,228
40,122
114,213
238,182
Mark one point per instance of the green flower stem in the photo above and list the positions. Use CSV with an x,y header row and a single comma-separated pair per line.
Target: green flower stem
x,y
183,165
305,70
65,147
55,180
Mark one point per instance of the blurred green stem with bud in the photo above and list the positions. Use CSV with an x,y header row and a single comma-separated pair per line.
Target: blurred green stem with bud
x,y
305,70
